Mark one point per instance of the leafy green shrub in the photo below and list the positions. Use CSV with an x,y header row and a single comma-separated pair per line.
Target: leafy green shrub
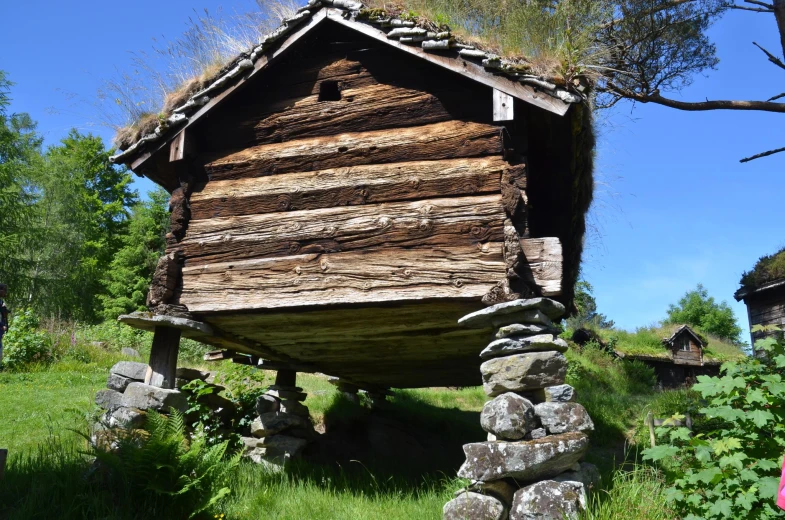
x,y
24,343
184,474
732,470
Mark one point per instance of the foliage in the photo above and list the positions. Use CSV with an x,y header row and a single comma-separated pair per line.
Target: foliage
x,y
768,269
202,418
635,494
731,471
130,271
696,308
24,343
185,473
586,306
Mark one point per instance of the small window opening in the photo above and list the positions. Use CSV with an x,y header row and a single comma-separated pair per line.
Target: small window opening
x,y
329,91
684,344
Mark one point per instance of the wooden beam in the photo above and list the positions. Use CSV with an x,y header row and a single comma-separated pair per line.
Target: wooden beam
x,y
286,378
387,275
163,358
544,264
431,223
502,106
448,140
466,68
355,185
177,148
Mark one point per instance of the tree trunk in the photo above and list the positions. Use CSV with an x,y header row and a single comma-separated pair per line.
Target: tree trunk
x,y
779,14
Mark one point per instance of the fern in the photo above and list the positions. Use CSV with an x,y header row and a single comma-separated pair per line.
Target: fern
x,y
183,474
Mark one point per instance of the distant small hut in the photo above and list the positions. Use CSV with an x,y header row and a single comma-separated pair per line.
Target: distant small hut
x,y
682,360
763,292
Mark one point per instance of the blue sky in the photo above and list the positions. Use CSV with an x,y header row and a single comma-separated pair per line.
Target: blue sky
x,y
674,207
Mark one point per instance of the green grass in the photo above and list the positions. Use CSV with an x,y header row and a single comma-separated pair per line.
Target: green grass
x,y
633,494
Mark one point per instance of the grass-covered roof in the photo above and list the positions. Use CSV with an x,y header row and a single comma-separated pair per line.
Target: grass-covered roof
x,y
768,269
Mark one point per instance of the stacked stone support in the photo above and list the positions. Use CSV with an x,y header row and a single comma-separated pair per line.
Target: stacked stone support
x,y
283,428
530,467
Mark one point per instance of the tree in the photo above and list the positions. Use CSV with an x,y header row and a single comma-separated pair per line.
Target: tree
x,y
132,267
586,307
698,309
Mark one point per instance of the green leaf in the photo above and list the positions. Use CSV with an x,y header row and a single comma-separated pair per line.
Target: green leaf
x,y
768,487
756,396
682,434
725,445
760,417
722,508
766,464
708,475
735,460
660,452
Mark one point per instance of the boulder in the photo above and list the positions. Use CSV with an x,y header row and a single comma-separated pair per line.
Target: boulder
x,y
118,382
130,352
266,403
474,506
508,417
275,445
128,418
585,473
109,399
549,500
294,408
147,397
275,422
563,417
521,372
515,345
130,369
524,461
557,394
190,374
222,406
524,329
537,433
538,311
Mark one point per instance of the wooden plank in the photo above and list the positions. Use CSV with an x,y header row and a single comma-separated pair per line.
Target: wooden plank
x,y
544,264
177,147
459,221
502,106
363,184
262,63
388,275
163,358
452,139
466,68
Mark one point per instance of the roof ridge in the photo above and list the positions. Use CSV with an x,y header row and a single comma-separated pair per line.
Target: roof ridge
x,y
401,29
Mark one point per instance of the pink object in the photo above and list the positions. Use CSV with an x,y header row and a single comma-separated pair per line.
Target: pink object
x,y
781,493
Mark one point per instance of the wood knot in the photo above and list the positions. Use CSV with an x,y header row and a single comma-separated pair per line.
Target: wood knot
x,y
293,248
425,225
324,266
407,273
414,182
384,222
458,283
480,232
343,149
330,231
283,202
298,270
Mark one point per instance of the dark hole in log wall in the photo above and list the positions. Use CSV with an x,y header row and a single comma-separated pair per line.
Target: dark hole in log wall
x,y
329,91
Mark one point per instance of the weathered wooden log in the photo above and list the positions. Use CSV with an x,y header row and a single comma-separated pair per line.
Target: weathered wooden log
x,y
544,264
365,184
452,222
452,139
180,213
372,107
500,293
163,357
390,274
165,280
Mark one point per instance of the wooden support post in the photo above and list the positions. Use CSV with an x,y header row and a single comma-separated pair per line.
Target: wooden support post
x,y
502,106
650,424
163,358
286,378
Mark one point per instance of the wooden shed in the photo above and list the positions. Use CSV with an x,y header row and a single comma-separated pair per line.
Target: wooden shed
x,y
345,191
763,292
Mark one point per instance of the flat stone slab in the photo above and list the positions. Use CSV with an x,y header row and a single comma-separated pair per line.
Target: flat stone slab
x,y
525,329
557,394
288,394
528,309
524,461
474,506
508,417
502,489
147,397
128,418
549,500
587,474
275,445
190,374
563,417
293,407
266,403
271,423
517,345
523,372
118,382
130,369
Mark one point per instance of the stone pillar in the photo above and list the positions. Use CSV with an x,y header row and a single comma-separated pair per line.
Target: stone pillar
x,y
283,428
350,391
530,465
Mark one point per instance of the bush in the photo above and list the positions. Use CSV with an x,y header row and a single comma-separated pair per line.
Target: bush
x,y
732,470
24,344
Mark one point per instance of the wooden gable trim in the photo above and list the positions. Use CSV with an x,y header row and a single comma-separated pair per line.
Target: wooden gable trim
x,y
466,68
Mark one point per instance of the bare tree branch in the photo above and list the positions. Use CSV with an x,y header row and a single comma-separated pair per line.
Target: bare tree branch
x,y
778,96
764,154
772,58
753,9
762,4
695,106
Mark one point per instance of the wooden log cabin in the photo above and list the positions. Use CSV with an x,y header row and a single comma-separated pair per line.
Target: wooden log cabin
x,y
763,292
343,193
